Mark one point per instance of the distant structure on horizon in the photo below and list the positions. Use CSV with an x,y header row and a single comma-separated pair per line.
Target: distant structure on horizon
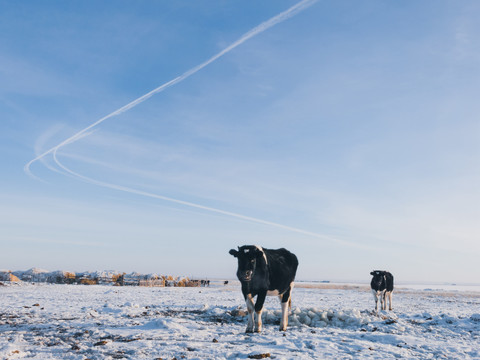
x,y
116,278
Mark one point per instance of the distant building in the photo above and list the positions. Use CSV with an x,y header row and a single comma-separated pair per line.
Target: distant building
x,y
8,276
61,277
108,277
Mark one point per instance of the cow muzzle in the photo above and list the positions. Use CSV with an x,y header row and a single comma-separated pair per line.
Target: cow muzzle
x,y
247,275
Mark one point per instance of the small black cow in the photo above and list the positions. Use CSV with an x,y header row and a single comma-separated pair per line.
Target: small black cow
x,y
265,272
382,288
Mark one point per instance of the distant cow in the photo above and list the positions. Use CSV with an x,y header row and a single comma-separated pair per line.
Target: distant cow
x,y
382,288
265,272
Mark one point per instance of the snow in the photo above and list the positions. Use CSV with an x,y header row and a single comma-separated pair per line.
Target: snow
x,y
47,321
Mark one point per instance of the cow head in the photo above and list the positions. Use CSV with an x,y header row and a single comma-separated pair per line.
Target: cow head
x,y
248,257
378,277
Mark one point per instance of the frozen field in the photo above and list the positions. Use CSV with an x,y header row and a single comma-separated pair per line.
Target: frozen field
x,y
106,322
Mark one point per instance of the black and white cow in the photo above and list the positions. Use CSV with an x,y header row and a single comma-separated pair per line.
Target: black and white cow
x,y
382,288
265,272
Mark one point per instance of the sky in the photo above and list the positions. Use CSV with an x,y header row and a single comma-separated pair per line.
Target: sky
x,y
347,132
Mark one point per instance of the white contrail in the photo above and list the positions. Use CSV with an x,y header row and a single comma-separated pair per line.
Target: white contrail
x,y
198,206
85,132
52,168
255,31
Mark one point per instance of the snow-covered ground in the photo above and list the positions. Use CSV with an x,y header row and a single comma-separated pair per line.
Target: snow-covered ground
x,y
326,322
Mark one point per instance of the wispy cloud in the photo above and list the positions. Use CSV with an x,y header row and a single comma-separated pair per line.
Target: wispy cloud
x,y
255,31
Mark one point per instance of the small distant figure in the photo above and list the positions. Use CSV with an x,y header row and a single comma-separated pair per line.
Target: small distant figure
x,y
382,288
204,283
225,282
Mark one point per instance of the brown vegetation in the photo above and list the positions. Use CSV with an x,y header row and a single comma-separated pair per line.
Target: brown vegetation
x,y
8,276
88,281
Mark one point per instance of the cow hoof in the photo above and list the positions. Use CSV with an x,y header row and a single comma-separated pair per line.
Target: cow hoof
x,y
249,331
258,331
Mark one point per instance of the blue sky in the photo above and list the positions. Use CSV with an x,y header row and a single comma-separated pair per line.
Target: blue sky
x,y
347,133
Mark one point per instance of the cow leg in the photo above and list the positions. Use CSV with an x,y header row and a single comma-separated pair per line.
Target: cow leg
x,y
379,297
285,303
251,309
258,310
388,295
383,300
375,296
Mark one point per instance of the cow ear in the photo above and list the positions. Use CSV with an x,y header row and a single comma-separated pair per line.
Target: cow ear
x,y
372,273
233,252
